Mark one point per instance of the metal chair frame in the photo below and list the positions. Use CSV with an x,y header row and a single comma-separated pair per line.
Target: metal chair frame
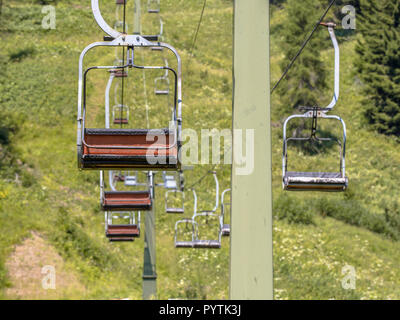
x,y
130,42
309,181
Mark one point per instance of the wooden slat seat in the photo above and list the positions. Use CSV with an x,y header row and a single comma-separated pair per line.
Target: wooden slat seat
x,y
108,149
315,181
126,200
123,231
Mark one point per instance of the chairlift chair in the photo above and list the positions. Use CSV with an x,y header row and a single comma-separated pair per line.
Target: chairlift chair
x,y
161,84
120,2
124,200
120,114
175,209
160,36
115,149
225,228
122,232
213,243
169,181
131,179
153,6
317,181
207,243
193,229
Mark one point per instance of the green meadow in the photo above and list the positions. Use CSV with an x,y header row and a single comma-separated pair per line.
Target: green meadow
x,y
44,195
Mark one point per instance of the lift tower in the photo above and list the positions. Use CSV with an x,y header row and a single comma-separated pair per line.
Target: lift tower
x,y
251,275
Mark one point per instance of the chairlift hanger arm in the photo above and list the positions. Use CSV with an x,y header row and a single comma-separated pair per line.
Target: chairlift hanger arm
x,y
335,98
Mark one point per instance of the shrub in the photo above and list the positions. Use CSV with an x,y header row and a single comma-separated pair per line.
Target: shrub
x,y
352,212
292,210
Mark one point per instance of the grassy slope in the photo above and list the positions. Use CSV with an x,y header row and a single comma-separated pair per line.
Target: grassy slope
x,y
63,203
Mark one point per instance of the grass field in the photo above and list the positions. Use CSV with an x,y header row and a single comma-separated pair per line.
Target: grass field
x,y
44,196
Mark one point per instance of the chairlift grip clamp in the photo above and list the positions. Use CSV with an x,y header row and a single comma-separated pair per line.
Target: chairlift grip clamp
x,y
328,24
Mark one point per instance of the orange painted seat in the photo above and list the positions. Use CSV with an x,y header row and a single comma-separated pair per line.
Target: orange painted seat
x,y
126,200
123,231
143,149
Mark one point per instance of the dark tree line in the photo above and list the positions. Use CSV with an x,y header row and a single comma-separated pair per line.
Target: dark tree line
x,y
379,63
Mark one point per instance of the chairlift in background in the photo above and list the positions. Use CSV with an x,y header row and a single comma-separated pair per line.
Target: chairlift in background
x,y
161,84
122,232
207,214
160,36
124,200
120,114
178,201
317,181
185,225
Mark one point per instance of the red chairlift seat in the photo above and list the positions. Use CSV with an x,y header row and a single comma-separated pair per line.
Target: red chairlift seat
x,y
144,149
120,2
123,231
126,200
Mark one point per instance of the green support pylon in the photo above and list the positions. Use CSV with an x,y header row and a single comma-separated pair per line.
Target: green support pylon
x,y
251,273
149,261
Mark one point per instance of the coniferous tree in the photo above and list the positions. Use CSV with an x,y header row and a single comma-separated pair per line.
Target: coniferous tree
x,y
305,82
379,63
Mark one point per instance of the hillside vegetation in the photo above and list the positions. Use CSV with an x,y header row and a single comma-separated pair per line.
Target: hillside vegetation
x,y
43,193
